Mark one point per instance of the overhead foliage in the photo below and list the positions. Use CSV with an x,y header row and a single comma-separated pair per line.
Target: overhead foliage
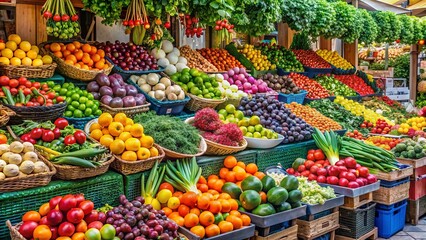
x,y
388,25
299,14
353,28
417,29
324,17
345,16
368,28
407,30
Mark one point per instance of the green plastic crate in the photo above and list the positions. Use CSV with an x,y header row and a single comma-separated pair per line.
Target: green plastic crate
x,y
213,164
56,78
78,83
284,154
101,189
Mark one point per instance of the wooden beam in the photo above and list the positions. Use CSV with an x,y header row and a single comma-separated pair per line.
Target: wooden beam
x,y
414,54
26,26
351,52
325,43
41,34
285,35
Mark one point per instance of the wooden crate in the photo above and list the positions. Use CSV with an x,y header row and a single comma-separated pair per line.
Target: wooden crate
x,y
395,175
309,230
392,195
418,183
355,202
415,163
372,235
415,209
286,234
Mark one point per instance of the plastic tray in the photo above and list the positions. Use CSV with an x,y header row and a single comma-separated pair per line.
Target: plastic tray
x,y
391,184
267,221
289,98
354,192
242,233
329,204
341,132
390,219
357,222
312,72
281,72
308,100
339,71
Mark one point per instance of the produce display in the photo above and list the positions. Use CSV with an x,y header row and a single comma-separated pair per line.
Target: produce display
x,y
196,60
123,137
128,56
356,83
220,58
334,86
114,92
313,117
16,52
410,149
381,127
169,132
335,59
62,19
314,89
274,115
19,159
310,59
79,55
355,134
339,114
383,142
414,123
255,56
388,108
158,87
231,90
245,82
169,58
281,84
197,83
282,58
313,193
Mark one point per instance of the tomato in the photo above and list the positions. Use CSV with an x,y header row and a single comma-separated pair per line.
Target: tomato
x,y
27,229
312,177
108,231
301,168
321,179
54,217
22,81
92,216
333,171
350,162
311,151
57,133
363,172
61,123
305,173
87,206
343,182
66,229
42,232
36,133
290,171
319,155
60,99
96,224
332,180
67,202
48,136
69,140
13,91
314,169
80,136
351,176
322,172
3,139
93,234
75,215
13,83
4,81
79,198
51,95
31,216
310,156
40,100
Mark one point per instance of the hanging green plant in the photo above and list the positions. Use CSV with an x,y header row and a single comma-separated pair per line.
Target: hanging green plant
x,y
110,10
417,29
163,7
353,29
299,14
209,11
407,30
368,28
388,25
324,17
345,16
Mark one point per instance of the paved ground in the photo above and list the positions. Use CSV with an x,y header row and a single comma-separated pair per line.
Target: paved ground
x,y
411,232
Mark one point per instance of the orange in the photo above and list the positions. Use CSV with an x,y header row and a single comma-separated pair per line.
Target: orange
x,y
224,196
202,179
173,214
101,53
237,223
240,173
234,204
120,117
96,58
178,194
44,209
55,47
263,196
77,65
183,210
203,187
96,134
213,192
189,199
215,206
132,144
70,47
105,131
42,232
212,230
246,219
71,58
241,164
203,202
223,172
66,53
86,58
31,216
58,54
78,54
259,175
218,185
100,65
230,176
143,153
63,238
178,220
226,205
167,211
127,128
117,146
93,50
86,48
129,156
77,44
230,162
225,227
199,231
147,141
77,236
235,213
191,220
124,136
85,67
212,177
105,119
95,126
129,121
81,227
251,168
136,130
206,218
106,140
115,129
69,62
90,63
195,211
154,152
211,183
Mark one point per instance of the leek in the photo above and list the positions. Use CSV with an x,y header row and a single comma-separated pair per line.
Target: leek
x,y
153,183
184,176
329,143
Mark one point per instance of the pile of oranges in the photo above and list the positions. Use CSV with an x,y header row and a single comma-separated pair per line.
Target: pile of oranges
x,y
80,55
123,137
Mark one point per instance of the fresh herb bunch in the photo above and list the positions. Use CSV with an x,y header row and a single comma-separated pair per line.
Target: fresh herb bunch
x,y
170,132
324,17
401,66
388,25
407,30
299,14
110,10
345,18
368,29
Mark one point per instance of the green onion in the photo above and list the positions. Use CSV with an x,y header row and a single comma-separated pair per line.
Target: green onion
x,y
153,183
329,143
184,176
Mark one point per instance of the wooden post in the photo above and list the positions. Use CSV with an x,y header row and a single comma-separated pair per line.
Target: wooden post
x,y
414,54
351,52
325,43
285,35
26,22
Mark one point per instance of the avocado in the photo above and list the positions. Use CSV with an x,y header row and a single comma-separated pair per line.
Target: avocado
x,y
290,183
283,207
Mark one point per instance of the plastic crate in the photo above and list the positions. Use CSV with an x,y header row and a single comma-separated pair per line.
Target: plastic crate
x,y
308,100
390,219
79,123
324,237
341,132
101,189
339,71
289,98
390,184
78,83
313,72
212,165
318,215
281,72
162,107
418,185
355,223
283,154
273,229
56,78
127,74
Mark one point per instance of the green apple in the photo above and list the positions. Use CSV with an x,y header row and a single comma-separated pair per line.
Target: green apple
x,y
270,134
275,136
257,135
190,85
251,129
243,130
221,117
233,120
263,137
223,112
254,120
230,108
239,114
230,116
244,122
264,132
249,134
258,128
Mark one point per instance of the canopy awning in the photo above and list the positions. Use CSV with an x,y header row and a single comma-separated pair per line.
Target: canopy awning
x,y
418,9
375,5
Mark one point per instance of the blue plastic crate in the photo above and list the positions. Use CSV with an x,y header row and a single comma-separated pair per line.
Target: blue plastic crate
x,y
326,236
390,219
273,229
289,98
390,184
281,72
127,74
318,215
79,123
313,72
341,132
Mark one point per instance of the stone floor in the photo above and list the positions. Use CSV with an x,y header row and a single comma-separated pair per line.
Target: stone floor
x,y
411,232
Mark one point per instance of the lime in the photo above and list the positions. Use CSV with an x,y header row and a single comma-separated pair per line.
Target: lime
x,y
88,112
89,103
78,113
75,97
71,85
185,78
68,100
70,108
70,93
190,85
57,88
185,71
75,104
90,97
97,112
65,85
194,72
82,107
83,100
215,84
97,103
63,92
68,113
208,85
80,92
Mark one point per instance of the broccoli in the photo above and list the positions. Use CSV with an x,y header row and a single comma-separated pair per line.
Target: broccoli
x,y
400,147
411,154
420,155
404,154
418,149
410,148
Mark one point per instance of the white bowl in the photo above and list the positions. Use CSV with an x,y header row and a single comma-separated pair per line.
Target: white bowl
x,y
263,143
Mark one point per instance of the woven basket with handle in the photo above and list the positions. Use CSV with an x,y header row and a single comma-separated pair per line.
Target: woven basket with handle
x,y
129,111
175,155
196,103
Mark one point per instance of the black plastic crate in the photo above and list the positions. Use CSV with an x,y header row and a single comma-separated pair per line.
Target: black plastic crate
x,y
357,222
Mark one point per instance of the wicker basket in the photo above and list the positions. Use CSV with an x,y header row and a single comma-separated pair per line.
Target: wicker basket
x,y
126,167
196,103
44,71
29,181
214,148
129,111
235,102
77,73
5,114
174,155
38,113
14,231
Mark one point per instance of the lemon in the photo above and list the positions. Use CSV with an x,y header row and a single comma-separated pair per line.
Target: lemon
x,y
25,45
32,54
19,54
14,37
26,61
39,57
2,45
173,203
4,60
15,61
156,204
11,45
37,62
148,200
164,195
7,53
47,59
35,49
